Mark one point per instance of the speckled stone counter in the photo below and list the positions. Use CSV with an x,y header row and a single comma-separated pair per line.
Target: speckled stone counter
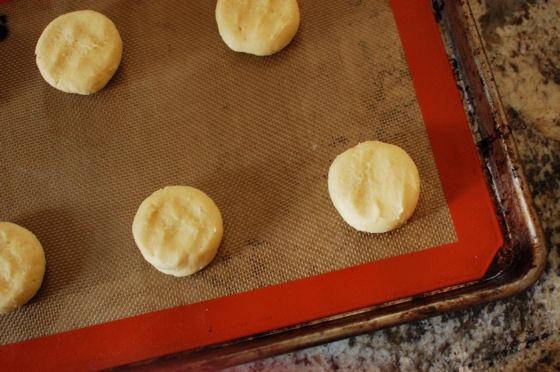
x,y
521,333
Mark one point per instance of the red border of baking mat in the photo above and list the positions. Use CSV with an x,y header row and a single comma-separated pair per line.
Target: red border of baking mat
x,y
226,318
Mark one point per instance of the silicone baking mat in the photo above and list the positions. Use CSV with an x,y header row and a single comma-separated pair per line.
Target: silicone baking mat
x,y
257,134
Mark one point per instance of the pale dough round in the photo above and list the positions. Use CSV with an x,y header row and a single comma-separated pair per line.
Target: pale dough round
x,y
374,186
79,52
22,266
178,229
260,27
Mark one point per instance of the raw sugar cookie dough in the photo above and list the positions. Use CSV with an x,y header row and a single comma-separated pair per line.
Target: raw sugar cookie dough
x,y
178,229
79,52
22,266
260,27
374,186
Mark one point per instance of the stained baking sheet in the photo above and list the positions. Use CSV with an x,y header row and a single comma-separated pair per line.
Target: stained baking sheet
x,y
256,134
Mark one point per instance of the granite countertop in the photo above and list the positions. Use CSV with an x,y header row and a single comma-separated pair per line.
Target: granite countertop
x,y
522,332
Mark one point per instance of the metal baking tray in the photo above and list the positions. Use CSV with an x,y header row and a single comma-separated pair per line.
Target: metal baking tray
x,y
517,265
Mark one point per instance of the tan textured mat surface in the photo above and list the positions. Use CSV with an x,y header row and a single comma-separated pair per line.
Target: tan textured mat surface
x,y
256,134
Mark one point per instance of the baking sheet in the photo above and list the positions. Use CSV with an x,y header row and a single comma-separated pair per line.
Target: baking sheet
x,y
256,134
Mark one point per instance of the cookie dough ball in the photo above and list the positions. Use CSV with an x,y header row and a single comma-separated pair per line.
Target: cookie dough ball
x,y
178,230
79,52
260,27
22,266
374,186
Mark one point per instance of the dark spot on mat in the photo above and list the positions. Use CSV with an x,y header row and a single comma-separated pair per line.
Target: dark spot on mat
x,y
3,27
338,141
256,242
